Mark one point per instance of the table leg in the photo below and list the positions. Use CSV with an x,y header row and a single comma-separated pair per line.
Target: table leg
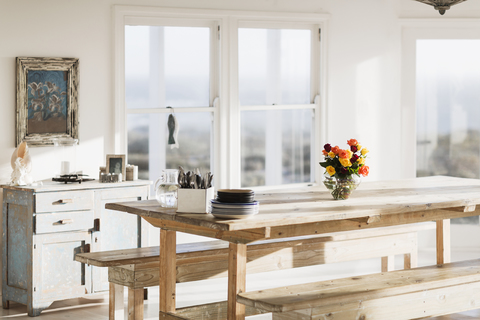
x,y
115,302
168,273
443,241
237,266
135,304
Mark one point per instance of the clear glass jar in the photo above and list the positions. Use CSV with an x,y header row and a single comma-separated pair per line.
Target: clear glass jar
x,y
166,188
66,154
341,189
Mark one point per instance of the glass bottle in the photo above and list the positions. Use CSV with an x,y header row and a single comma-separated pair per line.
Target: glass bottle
x,y
166,188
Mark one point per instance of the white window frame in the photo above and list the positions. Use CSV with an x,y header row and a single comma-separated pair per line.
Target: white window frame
x,y
226,131
413,30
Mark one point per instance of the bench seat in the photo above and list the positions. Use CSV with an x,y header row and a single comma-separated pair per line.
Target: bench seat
x,y
397,295
139,268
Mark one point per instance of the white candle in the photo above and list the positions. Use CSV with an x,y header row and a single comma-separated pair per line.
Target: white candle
x,y
65,167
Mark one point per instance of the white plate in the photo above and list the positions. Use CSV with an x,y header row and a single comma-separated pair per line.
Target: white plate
x,y
218,204
232,216
235,211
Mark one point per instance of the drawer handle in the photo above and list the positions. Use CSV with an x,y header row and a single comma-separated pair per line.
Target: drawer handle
x,y
62,201
66,221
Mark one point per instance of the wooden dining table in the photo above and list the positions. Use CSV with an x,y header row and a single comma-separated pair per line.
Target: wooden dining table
x,y
309,211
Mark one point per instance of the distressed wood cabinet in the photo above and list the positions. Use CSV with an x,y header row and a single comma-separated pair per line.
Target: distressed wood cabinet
x,y
45,226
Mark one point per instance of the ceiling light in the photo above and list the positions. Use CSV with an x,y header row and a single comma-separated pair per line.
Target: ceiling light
x,y
441,5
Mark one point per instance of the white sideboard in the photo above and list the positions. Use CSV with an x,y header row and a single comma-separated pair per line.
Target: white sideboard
x,y
45,226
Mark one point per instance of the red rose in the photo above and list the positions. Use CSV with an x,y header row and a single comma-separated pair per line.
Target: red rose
x,y
327,147
354,148
354,158
343,170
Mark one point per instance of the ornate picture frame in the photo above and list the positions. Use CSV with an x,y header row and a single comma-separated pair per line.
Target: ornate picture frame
x,y
47,100
116,164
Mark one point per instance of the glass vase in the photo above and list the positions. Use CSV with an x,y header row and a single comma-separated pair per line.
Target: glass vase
x,y
166,188
341,188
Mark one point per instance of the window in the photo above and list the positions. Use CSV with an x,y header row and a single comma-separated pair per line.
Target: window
x,y
448,108
244,87
277,112
440,100
168,66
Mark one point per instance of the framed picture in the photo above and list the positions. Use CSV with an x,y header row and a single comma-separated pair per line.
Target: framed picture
x,y
116,164
47,100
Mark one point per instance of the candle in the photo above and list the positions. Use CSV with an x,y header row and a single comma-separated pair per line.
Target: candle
x,y
65,167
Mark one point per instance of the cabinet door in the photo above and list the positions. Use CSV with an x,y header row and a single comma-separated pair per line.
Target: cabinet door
x,y
118,230
56,274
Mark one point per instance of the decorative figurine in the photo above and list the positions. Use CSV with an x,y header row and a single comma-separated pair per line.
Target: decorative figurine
x,y
22,166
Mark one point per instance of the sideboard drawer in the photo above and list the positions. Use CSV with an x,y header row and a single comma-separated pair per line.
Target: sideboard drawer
x,y
63,221
64,201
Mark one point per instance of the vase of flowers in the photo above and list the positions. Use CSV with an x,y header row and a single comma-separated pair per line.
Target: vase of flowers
x,y
344,168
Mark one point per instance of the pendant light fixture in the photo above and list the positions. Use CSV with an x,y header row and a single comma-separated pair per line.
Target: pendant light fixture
x,y
441,5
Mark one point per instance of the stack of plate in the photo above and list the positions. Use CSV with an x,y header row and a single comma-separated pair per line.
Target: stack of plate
x,y
234,204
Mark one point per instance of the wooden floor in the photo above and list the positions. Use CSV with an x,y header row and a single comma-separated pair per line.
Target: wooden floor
x,y
96,308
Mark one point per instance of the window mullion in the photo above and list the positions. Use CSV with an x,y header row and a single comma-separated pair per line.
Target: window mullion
x,y
278,107
233,119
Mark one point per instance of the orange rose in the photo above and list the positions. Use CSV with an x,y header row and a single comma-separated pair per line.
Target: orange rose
x,y
325,153
364,170
336,149
352,142
344,154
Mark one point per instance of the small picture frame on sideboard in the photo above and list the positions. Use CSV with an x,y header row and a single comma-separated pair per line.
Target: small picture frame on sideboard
x,y
116,164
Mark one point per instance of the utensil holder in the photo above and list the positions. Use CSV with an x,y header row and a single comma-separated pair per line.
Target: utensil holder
x,y
194,200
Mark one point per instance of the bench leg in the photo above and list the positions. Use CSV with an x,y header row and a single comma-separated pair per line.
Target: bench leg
x,y
115,302
388,263
443,241
135,304
237,266
410,260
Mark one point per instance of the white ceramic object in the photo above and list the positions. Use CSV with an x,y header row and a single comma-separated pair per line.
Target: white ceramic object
x,y
21,163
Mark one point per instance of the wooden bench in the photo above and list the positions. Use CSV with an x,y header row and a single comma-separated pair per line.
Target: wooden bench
x,y
397,295
139,268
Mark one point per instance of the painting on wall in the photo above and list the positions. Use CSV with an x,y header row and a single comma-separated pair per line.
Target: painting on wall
x,y
47,100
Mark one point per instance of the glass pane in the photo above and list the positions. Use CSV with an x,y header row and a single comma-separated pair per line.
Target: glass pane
x,y
276,147
167,66
148,148
448,108
274,66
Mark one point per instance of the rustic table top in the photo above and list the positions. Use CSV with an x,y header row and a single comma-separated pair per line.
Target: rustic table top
x,y
371,202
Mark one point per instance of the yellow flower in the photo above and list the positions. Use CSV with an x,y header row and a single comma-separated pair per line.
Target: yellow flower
x,y
331,170
350,153
359,147
331,154
364,151
345,162
361,160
